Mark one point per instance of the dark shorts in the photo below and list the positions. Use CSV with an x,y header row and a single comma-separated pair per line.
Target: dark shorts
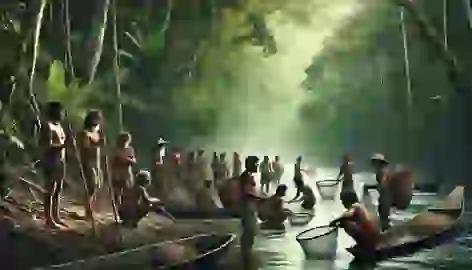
x,y
299,183
122,182
54,173
265,178
308,204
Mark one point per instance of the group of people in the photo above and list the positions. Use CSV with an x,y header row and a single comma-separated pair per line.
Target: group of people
x,y
132,188
395,190
131,191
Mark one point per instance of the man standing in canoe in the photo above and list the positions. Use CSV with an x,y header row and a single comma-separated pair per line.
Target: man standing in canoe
x,y
248,200
382,175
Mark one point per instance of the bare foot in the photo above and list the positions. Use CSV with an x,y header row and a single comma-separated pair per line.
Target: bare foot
x,y
51,224
60,222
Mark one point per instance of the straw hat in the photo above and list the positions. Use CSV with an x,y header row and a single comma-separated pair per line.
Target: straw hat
x,y
161,141
379,157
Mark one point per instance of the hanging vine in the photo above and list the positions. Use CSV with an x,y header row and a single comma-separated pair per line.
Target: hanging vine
x,y
116,67
67,30
37,33
98,43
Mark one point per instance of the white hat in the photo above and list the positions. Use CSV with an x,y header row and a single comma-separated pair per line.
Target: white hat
x,y
162,141
379,157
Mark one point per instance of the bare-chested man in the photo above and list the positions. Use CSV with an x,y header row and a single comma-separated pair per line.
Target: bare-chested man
x,y
123,161
89,142
266,174
202,169
237,166
278,168
382,175
214,166
53,142
222,169
346,176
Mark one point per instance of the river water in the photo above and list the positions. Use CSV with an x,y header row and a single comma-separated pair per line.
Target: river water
x,y
284,252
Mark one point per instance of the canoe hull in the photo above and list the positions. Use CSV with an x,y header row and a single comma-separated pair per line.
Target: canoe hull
x,y
428,241
210,248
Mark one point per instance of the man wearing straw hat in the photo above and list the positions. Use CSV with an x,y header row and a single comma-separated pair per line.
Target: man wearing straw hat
x,y
380,165
158,176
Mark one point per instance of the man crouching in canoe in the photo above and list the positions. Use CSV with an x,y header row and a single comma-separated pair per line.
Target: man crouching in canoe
x,y
137,203
358,223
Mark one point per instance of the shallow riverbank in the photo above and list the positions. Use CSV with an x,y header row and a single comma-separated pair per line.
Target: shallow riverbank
x,y
27,243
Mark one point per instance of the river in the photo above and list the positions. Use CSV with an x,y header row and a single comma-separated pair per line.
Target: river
x,y
284,252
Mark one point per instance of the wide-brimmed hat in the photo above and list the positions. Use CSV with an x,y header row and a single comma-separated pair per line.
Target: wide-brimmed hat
x,y
379,157
161,141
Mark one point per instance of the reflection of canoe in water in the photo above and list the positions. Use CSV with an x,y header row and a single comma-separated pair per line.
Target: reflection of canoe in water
x,y
328,189
196,252
319,242
301,218
426,230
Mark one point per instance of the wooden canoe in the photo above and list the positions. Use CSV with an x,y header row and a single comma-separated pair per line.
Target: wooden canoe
x,y
208,248
438,224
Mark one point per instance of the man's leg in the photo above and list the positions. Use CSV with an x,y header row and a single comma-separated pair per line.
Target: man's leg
x,y
247,242
362,240
55,207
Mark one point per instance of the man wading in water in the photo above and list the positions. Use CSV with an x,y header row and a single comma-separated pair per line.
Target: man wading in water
x,y
345,175
53,139
236,165
90,140
248,199
382,175
298,178
278,168
266,174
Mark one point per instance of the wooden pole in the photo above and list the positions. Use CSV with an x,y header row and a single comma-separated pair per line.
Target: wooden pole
x,y
409,94
116,67
445,23
111,191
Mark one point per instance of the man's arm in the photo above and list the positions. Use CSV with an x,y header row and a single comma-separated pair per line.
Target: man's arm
x,y
48,141
131,156
346,215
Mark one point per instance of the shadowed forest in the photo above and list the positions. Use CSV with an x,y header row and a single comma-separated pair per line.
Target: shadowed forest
x,y
306,76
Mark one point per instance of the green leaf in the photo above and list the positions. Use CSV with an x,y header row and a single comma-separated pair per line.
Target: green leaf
x,y
56,81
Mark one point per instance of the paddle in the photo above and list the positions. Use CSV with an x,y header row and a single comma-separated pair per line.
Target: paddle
x,y
162,211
